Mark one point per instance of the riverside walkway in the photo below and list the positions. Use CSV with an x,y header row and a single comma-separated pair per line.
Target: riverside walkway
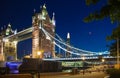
x,y
58,75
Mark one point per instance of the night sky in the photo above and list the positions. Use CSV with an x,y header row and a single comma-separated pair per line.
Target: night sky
x,y
69,15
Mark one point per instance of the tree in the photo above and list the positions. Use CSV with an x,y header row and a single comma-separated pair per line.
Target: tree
x,y
113,48
112,11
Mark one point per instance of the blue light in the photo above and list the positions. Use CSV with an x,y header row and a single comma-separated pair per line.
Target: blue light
x,y
13,66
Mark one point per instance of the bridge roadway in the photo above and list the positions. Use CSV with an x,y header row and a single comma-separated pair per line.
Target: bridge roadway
x,y
81,59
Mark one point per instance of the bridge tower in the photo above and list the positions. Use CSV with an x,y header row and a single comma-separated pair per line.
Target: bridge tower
x,y
8,47
42,44
68,43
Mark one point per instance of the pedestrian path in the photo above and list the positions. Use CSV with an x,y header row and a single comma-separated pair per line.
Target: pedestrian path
x,y
81,75
58,75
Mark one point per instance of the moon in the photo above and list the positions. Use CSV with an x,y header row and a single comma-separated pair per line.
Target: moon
x,y
90,33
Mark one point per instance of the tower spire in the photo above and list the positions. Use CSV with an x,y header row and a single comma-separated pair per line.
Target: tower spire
x,y
53,19
44,12
44,6
9,29
68,35
9,25
68,42
34,10
40,7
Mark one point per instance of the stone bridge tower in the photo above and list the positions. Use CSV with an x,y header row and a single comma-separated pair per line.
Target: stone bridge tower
x,y
42,44
8,47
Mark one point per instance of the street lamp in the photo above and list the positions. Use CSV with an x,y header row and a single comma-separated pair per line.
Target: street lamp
x,y
103,60
38,54
83,59
118,61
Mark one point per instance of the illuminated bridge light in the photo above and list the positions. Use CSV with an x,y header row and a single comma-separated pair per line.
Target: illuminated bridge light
x,y
13,66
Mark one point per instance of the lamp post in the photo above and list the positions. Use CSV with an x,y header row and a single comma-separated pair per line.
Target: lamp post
x,y
83,59
38,54
118,60
103,60
103,63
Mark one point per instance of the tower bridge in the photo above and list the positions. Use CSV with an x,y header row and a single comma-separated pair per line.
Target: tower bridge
x,y
44,40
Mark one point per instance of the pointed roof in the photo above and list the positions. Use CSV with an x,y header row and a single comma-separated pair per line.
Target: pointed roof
x,y
9,30
3,30
44,10
68,35
44,6
45,15
53,19
9,25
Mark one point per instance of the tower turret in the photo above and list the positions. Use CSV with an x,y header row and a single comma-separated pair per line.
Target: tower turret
x,y
44,12
3,30
53,19
9,30
68,35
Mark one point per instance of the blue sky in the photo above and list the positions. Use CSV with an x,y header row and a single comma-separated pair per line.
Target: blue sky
x,y
69,15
